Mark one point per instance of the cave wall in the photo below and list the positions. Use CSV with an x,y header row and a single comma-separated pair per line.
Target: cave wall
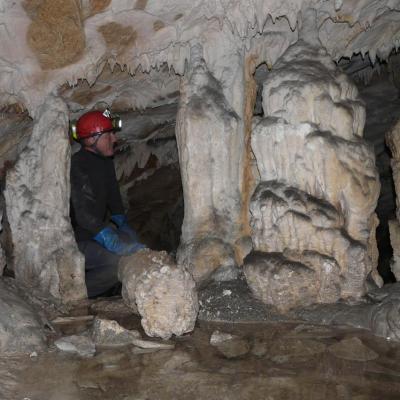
x,y
212,48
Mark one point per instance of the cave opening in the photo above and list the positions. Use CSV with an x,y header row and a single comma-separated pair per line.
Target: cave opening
x,y
146,155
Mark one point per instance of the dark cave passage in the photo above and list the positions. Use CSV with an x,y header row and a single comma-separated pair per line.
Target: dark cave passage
x,y
382,112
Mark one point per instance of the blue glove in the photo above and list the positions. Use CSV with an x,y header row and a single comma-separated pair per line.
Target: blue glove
x,y
122,222
109,239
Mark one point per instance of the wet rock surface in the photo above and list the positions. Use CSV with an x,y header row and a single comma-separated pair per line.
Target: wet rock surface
x,y
76,344
219,362
352,349
21,328
378,312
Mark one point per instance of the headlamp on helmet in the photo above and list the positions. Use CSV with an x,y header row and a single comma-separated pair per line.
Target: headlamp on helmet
x,y
95,123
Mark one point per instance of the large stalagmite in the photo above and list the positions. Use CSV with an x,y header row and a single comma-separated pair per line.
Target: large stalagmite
x,y
312,214
37,200
211,150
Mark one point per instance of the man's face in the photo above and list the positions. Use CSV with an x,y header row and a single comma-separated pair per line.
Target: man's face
x,y
105,144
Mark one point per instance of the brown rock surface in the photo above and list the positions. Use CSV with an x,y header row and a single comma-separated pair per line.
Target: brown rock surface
x,y
56,33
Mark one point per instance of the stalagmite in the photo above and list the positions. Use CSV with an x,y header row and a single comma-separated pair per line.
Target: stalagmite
x,y
318,189
211,148
37,201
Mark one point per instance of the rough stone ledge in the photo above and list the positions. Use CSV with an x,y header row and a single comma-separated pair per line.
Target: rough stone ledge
x,y
378,312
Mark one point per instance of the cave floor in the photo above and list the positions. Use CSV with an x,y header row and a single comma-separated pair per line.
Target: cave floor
x,y
263,360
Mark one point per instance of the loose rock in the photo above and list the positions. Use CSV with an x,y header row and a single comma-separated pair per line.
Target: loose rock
x,y
110,333
231,346
163,293
76,344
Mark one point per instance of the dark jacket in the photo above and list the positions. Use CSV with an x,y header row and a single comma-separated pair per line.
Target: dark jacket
x,y
95,193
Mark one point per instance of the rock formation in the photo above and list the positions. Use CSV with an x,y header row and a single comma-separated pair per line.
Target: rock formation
x,y
393,142
21,330
318,186
212,178
161,292
298,182
39,219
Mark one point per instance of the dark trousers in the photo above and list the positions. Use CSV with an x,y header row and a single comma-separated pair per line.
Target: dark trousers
x,y
101,268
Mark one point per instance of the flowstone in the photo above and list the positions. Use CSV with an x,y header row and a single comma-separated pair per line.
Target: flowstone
x,y
318,187
161,292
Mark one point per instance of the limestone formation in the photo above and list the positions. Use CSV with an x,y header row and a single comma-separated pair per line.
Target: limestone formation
x,y
211,151
206,258
161,292
184,73
21,330
285,282
393,142
46,255
3,260
318,186
394,230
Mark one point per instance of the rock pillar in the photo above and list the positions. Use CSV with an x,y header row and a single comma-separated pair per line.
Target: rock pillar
x,y
312,214
211,147
37,202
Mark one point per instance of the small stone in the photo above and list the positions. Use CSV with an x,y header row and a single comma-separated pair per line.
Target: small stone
x,y
218,337
109,333
352,349
76,344
231,346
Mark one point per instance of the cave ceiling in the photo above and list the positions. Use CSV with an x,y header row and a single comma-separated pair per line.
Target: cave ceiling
x,y
87,51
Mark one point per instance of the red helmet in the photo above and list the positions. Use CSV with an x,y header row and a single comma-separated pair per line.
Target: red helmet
x,y
93,123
